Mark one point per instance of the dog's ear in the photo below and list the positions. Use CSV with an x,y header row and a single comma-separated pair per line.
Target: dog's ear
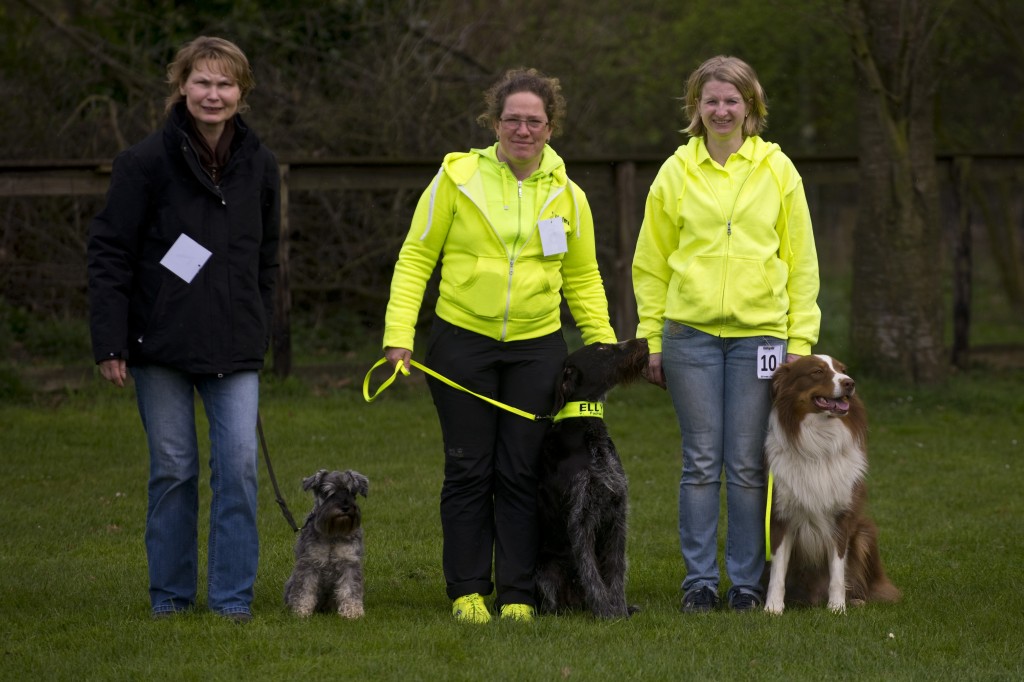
x,y
564,387
358,483
313,481
779,377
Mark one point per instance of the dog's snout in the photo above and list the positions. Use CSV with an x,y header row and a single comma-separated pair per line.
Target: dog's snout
x,y
847,385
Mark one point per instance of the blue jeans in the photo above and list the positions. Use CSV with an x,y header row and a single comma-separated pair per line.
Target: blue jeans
x,y
723,409
166,399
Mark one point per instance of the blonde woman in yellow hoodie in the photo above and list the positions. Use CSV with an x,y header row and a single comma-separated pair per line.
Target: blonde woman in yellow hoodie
x,y
726,281
513,235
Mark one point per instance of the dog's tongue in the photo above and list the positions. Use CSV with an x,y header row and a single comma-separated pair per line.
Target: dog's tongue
x,y
836,406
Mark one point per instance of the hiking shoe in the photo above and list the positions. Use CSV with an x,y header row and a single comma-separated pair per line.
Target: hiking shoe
x,y
743,602
471,609
520,612
700,600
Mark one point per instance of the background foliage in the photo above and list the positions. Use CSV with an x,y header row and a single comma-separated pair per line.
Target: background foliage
x,y
83,79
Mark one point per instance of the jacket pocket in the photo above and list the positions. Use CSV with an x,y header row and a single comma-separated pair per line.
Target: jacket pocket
x,y
698,289
536,289
755,297
476,285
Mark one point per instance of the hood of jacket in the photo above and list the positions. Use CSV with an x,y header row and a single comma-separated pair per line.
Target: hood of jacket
x,y
463,169
754,148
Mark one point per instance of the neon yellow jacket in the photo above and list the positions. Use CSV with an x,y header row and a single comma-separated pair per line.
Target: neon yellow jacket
x,y
756,274
495,279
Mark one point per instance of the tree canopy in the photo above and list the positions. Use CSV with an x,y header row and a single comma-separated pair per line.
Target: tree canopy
x,y
81,78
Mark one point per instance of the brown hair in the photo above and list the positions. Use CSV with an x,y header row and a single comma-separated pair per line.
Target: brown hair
x,y
524,80
731,70
225,54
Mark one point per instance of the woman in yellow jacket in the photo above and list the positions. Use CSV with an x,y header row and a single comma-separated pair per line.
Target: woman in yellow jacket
x,y
513,234
726,280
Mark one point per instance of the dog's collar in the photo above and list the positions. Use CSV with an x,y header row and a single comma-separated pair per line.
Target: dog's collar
x,y
580,409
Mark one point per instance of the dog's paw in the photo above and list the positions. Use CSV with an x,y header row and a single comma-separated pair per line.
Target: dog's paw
x,y
775,606
351,610
838,607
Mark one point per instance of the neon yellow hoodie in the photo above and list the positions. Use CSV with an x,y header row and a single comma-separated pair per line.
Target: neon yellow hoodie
x,y
729,251
495,279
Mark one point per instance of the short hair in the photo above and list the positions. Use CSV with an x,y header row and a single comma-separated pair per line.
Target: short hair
x,y
524,80
225,54
731,70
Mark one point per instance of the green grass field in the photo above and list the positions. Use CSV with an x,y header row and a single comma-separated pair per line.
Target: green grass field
x,y
946,479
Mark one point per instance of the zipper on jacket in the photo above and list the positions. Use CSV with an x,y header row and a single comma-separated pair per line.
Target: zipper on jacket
x,y
512,256
728,228
192,159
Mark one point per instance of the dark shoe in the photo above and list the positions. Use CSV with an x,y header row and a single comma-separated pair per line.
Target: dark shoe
x,y
744,602
238,617
700,600
163,615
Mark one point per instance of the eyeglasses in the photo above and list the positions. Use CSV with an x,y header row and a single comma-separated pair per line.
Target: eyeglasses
x,y
532,124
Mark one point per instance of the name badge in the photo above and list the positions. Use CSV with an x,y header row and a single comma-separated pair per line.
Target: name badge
x,y
768,359
552,236
185,258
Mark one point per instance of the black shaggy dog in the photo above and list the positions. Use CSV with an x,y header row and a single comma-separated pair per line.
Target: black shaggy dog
x,y
583,491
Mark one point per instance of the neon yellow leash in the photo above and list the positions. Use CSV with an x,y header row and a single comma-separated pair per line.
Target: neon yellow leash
x,y
768,519
401,368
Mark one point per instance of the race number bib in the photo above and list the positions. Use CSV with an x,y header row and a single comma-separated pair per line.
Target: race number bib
x,y
769,358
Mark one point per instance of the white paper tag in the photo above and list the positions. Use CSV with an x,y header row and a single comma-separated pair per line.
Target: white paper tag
x,y
768,359
552,236
185,258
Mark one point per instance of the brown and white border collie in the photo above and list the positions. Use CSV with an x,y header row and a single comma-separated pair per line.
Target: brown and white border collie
x,y
824,546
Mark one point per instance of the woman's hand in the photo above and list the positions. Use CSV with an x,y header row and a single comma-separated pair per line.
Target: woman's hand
x,y
115,371
653,372
397,355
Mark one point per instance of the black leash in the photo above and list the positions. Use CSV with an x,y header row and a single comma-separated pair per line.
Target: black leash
x,y
273,479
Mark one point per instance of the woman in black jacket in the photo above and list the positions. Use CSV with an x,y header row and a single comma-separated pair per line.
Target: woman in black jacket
x,y
182,265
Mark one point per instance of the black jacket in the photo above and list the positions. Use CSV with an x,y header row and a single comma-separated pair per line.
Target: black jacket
x,y
140,310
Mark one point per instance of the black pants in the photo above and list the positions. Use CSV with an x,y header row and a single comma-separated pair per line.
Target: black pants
x,y
489,496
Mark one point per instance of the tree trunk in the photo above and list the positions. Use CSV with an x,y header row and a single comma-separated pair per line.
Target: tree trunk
x,y
897,320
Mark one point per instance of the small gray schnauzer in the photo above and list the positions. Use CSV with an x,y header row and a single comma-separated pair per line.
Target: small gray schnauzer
x,y
328,573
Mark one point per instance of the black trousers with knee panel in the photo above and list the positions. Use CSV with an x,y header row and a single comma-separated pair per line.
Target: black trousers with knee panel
x,y
491,456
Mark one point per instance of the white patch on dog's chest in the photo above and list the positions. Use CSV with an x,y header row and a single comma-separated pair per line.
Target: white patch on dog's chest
x,y
815,474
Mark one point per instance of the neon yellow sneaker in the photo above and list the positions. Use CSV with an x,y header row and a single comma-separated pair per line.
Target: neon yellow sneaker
x,y
519,612
471,609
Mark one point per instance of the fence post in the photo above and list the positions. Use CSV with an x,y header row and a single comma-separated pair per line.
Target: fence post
x,y
960,172
281,329
624,307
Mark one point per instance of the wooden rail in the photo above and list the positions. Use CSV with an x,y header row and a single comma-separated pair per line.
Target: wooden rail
x,y
629,179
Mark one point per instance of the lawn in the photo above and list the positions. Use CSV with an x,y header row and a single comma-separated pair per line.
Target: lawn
x,y
945,484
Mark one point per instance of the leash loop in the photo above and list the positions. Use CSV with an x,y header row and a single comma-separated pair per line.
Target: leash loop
x,y
426,370
768,519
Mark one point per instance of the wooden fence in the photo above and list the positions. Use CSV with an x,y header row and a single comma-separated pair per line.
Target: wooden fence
x,y
830,184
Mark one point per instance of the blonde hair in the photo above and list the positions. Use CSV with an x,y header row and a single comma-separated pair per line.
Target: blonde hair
x,y
525,80
225,54
738,73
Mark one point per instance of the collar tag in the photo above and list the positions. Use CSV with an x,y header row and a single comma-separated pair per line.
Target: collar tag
x,y
580,409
